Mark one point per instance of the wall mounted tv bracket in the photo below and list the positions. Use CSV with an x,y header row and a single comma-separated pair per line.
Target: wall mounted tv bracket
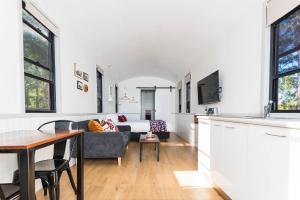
x,y
220,90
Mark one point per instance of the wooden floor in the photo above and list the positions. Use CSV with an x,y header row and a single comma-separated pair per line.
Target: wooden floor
x,y
174,177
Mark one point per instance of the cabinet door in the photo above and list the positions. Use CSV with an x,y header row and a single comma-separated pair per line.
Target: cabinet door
x,y
235,160
204,146
295,166
216,154
269,160
257,165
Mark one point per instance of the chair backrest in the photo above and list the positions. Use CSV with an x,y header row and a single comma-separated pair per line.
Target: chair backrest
x,y
60,148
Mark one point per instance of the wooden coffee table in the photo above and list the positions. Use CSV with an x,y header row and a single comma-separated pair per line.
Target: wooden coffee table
x,y
144,140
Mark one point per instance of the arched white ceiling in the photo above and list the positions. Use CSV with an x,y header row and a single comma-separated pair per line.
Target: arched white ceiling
x,y
163,38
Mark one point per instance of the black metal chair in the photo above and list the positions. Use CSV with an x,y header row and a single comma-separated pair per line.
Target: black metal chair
x,y
9,191
50,171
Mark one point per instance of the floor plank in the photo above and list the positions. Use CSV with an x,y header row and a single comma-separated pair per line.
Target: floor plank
x,y
175,177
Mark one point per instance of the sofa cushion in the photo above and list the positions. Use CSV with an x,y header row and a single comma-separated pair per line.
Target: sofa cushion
x,y
95,126
109,126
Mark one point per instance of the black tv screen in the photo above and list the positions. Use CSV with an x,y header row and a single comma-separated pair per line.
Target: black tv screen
x,y
208,89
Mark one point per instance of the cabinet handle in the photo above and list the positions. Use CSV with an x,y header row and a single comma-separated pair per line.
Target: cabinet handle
x,y
203,123
273,135
229,127
217,125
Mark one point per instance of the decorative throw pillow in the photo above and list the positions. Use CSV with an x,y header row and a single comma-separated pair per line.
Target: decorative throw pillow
x,y
94,126
124,118
109,126
121,118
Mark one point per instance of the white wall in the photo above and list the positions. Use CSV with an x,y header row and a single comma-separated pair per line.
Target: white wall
x,y
164,99
11,82
239,57
72,49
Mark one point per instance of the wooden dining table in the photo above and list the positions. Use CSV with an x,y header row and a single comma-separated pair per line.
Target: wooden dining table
x,y
26,142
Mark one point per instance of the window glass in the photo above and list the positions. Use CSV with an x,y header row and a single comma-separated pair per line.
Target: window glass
x,y
33,22
288,92
188,97
36,71
180,100
38,66
99,93
289,33
284,76
288,62
36,47
37,94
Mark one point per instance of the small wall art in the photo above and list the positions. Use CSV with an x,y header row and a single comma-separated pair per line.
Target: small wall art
x,y
77,72
86,77
79,85
85,88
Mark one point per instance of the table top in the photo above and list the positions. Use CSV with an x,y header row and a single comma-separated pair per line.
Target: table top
x,y
30,139
144,139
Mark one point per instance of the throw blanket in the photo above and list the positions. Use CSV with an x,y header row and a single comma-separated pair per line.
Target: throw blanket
x,y
158,126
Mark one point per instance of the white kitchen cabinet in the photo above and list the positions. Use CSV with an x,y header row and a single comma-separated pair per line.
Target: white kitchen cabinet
x,y
216,154
257,165
235,160
295,165
229,157
204,131
252,162
269,161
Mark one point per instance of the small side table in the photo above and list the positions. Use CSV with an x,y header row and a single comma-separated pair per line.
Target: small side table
x,y
144,140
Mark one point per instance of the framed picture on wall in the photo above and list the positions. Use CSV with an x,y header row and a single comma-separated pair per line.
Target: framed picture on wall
x,y
77,73
86,77
79,85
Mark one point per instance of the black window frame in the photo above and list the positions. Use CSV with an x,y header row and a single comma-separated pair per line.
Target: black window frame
x,y
99,99
179,100
50,68
274,57
188,100
116,99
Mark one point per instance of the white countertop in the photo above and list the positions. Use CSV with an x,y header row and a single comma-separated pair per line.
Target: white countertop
x,y
274,122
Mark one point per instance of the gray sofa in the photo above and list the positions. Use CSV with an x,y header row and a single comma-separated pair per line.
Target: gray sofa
x,y
103,145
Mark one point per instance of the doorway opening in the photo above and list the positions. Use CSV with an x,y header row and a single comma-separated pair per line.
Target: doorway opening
x,y
147,104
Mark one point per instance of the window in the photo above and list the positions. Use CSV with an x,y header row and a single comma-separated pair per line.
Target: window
x,y
179,100
99,93
116,96
285,63
39,69
188,97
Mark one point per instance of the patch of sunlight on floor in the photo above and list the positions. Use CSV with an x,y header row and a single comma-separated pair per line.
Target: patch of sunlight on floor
x,y
192,179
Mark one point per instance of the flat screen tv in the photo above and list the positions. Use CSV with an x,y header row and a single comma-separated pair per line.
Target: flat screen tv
x,y
208,89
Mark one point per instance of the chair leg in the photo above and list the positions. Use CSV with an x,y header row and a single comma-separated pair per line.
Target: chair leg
x,y
71,179
54,186
57,191
45,186
119,161
52,193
